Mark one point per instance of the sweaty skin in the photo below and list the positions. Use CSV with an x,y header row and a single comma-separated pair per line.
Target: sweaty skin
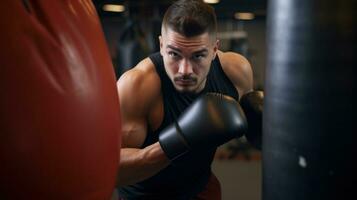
x,y
187,62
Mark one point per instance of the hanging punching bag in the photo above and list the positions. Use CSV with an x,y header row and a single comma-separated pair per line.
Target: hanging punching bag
x,y
59,109
309,121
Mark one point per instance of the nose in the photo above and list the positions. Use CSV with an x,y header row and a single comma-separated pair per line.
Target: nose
x,y
185,67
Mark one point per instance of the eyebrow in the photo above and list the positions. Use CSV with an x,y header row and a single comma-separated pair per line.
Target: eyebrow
x,y
174,48
179,50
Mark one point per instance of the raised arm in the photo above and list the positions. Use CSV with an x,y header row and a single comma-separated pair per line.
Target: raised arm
x,y
238,70
240,73
138,89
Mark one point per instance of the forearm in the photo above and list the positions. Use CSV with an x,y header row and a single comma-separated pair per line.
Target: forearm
x,y
252,104
139,164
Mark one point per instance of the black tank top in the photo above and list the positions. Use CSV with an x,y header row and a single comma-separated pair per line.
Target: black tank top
x,y
189,177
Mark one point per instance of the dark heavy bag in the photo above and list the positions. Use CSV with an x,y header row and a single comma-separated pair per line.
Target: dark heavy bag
x,y
309,106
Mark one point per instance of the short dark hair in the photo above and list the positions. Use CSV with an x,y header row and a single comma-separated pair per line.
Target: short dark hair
x,y
190,18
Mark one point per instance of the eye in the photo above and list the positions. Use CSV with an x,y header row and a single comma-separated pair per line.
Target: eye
x,y
199,56
173,54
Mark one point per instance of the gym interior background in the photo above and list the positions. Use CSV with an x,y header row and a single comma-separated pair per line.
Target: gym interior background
x,y
132,28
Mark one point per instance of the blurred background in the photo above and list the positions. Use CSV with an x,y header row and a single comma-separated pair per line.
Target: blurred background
x,y
132,27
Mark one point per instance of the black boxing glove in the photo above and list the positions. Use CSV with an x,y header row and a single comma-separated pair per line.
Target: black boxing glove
x,y
212,120
252,104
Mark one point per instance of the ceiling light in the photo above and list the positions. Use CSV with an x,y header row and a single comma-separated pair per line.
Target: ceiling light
x,y
244,16
211,1
113,8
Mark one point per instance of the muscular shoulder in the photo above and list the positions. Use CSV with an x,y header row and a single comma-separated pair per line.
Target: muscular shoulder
x,y
139,87
238,70
139,92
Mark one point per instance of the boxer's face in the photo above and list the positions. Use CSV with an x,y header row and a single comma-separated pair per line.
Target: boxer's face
x,y
187,60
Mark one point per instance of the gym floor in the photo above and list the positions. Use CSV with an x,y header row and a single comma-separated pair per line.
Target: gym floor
x,y
239,179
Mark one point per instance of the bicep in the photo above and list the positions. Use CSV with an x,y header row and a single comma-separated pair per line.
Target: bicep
x,y
244,82
133,132
133,114
240,73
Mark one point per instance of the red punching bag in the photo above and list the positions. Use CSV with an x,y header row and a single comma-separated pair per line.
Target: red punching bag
x,y
59,109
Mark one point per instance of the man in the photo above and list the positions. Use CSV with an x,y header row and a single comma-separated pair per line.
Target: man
x,y
159,89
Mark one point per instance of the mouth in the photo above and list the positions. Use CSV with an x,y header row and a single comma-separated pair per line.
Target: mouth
x,y
184,82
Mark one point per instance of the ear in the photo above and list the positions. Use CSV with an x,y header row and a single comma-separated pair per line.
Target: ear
x,y
215,48
161,44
